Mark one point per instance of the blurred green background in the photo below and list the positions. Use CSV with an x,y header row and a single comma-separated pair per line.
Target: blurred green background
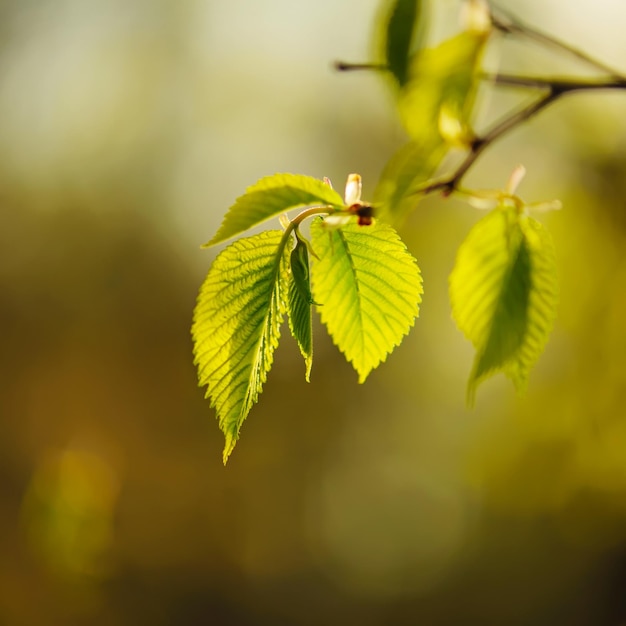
x,y
126,130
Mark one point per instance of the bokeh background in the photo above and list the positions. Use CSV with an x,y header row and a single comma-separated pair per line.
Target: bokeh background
x,y
126,130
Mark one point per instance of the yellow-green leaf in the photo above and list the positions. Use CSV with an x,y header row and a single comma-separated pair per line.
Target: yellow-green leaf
x,y
504,294
236,326
271,196
412,165
442,88
370,288
300,301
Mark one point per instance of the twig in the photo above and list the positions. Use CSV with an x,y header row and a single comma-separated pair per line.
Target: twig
x,y
448,184
343,66
553,88
562,85
511,24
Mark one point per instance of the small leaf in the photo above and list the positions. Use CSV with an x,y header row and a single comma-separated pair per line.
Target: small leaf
x,y
272,196
300,270
400,37
504,293
300,301
370,287
236,326
412,165
442,88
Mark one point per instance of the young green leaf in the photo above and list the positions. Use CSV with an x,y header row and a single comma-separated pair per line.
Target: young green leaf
x,y
442,88
271,196
370,287
413,164
236,326
399,40
504,293
300,301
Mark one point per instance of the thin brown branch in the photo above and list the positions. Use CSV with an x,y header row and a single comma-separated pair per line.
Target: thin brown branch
x,y
553,90
343,66
561,85
448,184
510,24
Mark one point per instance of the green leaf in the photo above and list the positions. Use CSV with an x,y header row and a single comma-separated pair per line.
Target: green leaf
x,y
236,326
442,88
400,36
504,294
370,287
415,163
272,196
300,301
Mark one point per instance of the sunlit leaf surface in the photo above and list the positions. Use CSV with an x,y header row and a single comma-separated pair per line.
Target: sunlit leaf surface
x,y
370,288
271,196
236,326
504,293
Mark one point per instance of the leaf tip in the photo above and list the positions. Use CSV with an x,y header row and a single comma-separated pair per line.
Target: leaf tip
x,y
520,382
470,395
363,375
472,384
228,447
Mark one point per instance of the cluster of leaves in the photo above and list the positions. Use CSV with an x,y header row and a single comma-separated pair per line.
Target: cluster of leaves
x,y
354,268
362,277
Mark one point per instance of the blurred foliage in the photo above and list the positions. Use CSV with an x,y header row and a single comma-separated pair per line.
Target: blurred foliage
x,y
126,130
403,30
507,259
67,511
442,89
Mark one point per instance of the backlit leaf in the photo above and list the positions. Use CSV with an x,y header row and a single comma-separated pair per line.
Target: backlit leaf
x,y
442,87
236,326
504,294
300,301
272,196
370,288
401,32
411,166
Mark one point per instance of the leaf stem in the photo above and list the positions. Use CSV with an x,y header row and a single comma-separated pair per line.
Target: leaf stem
x,y
310,212
298,219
